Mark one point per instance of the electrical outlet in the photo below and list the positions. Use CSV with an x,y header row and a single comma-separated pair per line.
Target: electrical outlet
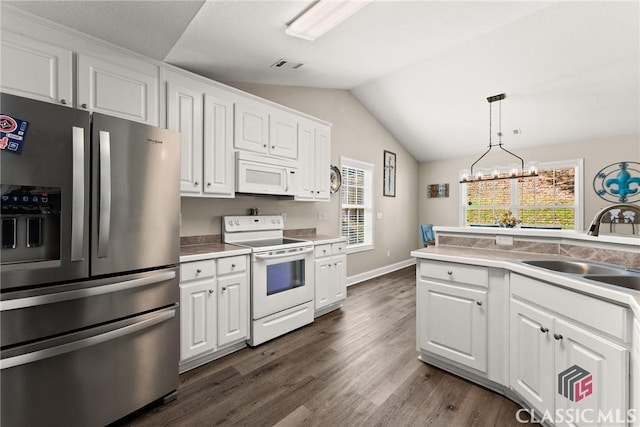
x,y
319,216
379,215
504,240
324,216
388,252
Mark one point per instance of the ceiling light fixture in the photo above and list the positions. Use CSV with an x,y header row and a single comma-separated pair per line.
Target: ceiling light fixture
x,y
531,171
323,16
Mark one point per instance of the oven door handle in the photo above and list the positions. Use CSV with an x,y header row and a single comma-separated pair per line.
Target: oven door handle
x,y
282,255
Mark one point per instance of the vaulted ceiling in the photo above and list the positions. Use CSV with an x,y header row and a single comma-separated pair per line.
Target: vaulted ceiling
x,y
571,70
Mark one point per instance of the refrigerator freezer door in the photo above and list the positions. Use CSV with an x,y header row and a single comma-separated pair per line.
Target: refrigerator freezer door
x,y
46,183
135,196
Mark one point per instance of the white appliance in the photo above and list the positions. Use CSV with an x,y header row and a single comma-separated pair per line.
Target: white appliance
x,y
282,275
265,175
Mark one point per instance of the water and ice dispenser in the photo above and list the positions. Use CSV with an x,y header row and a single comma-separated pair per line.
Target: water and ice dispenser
x,y
31,223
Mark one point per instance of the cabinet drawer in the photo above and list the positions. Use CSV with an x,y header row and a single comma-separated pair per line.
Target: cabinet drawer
x,y
610,318
452,272
323,250
197,270
338,248
233,264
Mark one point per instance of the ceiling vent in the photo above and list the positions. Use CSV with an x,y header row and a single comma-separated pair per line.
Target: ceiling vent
x,y
287,64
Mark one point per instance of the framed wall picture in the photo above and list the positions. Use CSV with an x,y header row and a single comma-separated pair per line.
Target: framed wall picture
x,y
389,188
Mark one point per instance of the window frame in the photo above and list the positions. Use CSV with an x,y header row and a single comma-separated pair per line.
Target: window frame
x,y
577,164
369,170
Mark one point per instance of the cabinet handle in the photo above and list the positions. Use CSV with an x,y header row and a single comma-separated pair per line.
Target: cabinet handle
x,y
210,291
198,271
196,183
63,101
558,337
233,266
265,145
543,329
273,147
208,184
449,272
479,302
84,105
224,288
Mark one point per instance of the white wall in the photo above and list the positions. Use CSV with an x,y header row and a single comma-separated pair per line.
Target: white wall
x,y
597,153
355,134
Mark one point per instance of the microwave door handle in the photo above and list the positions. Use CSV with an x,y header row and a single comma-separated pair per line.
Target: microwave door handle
x,y
104,214
77,194
286,180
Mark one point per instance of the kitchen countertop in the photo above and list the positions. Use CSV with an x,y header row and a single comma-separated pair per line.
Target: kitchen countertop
x,y
509,260
210,251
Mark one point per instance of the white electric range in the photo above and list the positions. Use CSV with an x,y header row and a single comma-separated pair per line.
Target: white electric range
x,y
282,275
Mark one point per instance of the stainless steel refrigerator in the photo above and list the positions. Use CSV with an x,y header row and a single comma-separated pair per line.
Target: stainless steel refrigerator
x,y
89,264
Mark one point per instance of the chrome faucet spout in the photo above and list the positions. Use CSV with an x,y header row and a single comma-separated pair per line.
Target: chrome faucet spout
x,y
620,217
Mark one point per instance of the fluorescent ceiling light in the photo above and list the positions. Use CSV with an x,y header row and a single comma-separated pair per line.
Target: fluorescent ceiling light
x,y
323,16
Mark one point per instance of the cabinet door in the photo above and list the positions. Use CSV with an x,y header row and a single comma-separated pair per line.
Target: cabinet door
x,y
322,158
219,164
531,355
197,319
306,142
233,309
283,134
117,90
339,278
36,70
251,127
323,283
184,114
453,323
591,376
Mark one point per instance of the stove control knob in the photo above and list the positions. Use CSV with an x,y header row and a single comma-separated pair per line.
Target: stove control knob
x,y
273,221
237,222
230,222
278,220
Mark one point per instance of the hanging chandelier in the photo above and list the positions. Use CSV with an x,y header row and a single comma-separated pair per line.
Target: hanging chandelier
x,y
515,170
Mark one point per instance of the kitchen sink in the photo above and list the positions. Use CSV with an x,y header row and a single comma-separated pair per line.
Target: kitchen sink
x,y
626,281
574,267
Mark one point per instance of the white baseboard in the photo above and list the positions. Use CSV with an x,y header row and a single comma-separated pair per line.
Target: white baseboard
x,y
357,278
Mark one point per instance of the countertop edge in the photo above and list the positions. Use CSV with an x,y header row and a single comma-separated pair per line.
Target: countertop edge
x,y
500,259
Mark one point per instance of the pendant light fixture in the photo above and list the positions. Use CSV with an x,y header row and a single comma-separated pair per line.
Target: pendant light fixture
x,y
478,175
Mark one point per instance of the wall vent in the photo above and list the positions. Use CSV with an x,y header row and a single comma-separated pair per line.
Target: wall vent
x,y
287,64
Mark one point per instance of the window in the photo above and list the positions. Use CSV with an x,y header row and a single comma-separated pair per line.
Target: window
x,y
356,209
553,199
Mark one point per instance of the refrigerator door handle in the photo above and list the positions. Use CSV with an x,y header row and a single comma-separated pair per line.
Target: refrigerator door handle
x,y
48,353
85,293
104,214
77,196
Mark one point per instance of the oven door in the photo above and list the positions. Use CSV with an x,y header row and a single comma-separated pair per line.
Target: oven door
x,y
281,279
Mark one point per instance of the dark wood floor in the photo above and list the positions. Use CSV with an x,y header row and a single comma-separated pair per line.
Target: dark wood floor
x,y
353,367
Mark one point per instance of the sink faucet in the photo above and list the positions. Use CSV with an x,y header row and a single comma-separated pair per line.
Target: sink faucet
x,y
630,215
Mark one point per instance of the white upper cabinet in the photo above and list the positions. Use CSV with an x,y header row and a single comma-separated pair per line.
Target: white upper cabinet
x,y
314,140
264,129
219,167
185,115
203,114
37,70
122,87
251,127
283,134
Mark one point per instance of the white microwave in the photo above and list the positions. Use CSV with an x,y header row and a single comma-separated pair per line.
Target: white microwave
x,y
257,174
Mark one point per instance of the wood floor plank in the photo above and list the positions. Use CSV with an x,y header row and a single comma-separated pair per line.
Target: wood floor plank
x,y
353,367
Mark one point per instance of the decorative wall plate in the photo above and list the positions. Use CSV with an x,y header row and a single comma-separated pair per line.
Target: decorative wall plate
x,y
335,179
618,182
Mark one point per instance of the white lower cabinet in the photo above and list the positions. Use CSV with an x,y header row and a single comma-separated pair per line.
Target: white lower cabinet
x,y
331,276
453,313
214,308
568,374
